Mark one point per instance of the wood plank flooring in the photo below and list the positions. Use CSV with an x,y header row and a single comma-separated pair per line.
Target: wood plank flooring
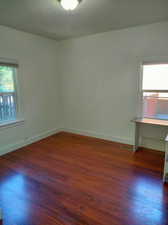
x,y
69,179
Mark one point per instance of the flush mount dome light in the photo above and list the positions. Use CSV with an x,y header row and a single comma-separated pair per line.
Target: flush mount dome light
x,y
69,4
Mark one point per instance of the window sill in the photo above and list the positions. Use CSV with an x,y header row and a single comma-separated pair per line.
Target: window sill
x,y
13,123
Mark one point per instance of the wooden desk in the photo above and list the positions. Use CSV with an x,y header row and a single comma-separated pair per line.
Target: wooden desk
x,y
139,121
155,122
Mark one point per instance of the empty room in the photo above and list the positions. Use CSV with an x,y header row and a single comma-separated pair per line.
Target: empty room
x,y
83,112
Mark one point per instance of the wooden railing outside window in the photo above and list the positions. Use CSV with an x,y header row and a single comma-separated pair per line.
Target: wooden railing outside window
x,y
7,106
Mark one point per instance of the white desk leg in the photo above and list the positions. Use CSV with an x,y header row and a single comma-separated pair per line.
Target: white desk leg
x,y
136,143
165,176
0,216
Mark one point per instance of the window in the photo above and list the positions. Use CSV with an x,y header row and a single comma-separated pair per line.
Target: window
x,y
8,99
155,91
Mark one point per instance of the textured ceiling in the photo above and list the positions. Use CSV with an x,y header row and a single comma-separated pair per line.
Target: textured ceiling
x,y
47,18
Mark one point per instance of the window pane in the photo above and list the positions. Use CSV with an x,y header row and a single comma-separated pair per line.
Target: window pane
x,y
6,79
155,105
155,77
7,94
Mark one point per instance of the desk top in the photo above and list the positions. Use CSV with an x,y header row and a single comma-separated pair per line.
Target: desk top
x,y
151,121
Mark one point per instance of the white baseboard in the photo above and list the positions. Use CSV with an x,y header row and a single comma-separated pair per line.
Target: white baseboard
x,y
22,143
99,135
150,143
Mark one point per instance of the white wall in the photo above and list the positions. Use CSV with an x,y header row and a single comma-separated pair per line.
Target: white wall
x,y
38,82
99,81
91,82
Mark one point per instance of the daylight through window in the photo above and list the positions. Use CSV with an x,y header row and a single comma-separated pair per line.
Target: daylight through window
x,y
8,106
155,91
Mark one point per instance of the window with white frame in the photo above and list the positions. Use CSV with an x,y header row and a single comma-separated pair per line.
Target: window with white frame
x,y
155,91
8,95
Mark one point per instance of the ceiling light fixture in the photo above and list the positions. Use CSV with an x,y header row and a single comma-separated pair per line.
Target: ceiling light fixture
x,y
69,4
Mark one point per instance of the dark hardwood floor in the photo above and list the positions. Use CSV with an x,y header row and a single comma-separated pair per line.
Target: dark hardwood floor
x,y
68,179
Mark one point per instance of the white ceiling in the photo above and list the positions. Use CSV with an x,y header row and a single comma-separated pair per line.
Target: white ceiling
x,y
47,18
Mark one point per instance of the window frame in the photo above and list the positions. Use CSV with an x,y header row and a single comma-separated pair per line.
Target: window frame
x,y
141,91
15,68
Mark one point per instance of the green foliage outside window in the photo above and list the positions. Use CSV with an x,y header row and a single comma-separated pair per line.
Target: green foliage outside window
x,y
6,79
